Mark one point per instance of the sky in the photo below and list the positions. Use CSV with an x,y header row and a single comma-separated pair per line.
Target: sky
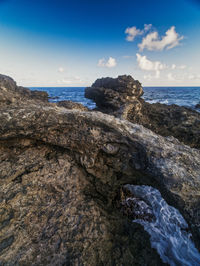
x,y
72,43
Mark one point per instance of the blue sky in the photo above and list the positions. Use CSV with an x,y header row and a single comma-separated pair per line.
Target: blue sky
x,y
72,43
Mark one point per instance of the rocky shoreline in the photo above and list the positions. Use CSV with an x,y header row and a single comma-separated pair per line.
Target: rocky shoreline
x,y
63,168
121,97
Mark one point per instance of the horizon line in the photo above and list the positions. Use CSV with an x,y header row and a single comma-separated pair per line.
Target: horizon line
x,y
188,86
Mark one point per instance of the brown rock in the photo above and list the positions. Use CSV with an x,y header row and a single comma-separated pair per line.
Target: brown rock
x,y
61,172
121,98
111,94
72,105
10,93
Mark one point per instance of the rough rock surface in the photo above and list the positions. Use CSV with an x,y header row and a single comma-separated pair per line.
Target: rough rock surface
x,y
10,93
61,174
169,120
113,94
72,105
125,101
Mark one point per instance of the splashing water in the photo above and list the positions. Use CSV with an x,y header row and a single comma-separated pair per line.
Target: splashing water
x,y
168,230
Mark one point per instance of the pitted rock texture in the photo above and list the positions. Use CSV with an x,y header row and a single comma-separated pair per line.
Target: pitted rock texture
x,y
10,93
72,105
54,211
121,97
169,120
112,94
109,151
61,173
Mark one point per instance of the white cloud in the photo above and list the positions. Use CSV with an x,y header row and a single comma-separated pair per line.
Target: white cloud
x,y
173,66
178,67
111,62
148,65
69,80
194,77
64,81
182,67
152,41
61,69
132,32
170,76
148,77
101,62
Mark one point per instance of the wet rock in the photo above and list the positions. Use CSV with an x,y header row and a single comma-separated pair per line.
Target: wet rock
x,y
197,106
134,207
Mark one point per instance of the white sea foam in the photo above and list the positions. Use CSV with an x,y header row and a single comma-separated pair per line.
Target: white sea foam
x,y
169,234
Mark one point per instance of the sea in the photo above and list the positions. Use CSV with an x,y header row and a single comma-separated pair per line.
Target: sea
x,y
182,96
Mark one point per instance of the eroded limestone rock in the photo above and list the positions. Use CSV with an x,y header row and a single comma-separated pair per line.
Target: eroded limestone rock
x,y
61,172
121,97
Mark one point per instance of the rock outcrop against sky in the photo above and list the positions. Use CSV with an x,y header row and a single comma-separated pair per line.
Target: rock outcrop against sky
x,y
122,98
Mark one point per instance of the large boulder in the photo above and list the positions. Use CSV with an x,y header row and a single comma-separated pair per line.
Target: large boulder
x,y
121,97
110,93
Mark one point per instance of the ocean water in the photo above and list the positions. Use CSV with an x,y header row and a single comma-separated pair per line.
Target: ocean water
x,y
183,96
75,94
168,231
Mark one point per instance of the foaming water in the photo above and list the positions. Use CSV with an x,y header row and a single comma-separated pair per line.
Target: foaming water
x,y
168,230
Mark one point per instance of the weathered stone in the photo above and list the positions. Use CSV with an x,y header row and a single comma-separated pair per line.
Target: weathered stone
x,y
10,93
121,97
54,210
109,93
72,105
169,120
61,173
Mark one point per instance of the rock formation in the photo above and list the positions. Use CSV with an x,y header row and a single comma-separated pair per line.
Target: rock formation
x,y
121,97
72,105
112,94
60,180
197,106
10,93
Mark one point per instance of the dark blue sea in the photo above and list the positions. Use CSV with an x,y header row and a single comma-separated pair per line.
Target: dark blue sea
x,y
183,96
